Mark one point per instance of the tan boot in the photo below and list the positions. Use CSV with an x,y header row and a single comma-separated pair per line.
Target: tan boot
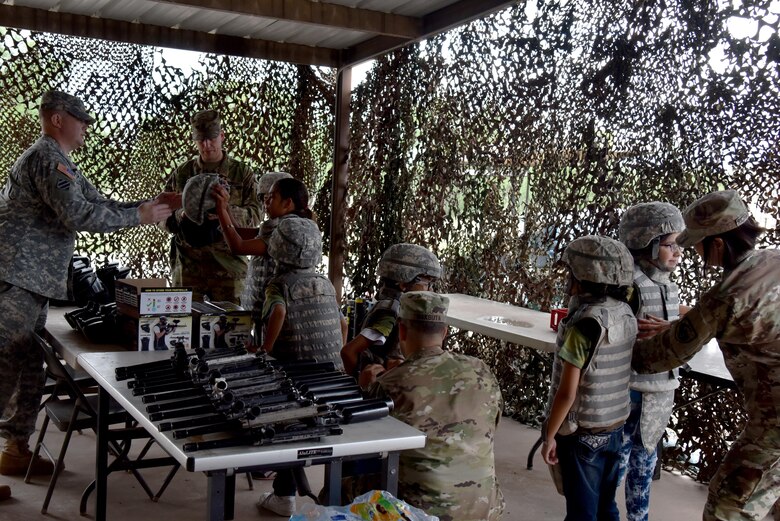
x,y
5,492
16,458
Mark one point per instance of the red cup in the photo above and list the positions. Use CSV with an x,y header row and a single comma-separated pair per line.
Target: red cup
x,y
556,315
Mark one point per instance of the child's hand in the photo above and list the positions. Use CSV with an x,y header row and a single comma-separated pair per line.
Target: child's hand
x,y
369,374
221,196
651,326
549,452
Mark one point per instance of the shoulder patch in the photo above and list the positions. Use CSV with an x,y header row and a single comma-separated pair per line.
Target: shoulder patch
x,y
64,170
63,184
686,333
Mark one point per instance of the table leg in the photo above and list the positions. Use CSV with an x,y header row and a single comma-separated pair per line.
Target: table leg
x,y
333,473
217,484
230,496
390,473
101,456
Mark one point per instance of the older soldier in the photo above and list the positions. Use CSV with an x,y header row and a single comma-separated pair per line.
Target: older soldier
x,y
45,201
649,231
455,400
742,312
200,258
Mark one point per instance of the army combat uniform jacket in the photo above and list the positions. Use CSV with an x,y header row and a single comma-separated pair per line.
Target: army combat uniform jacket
x,y
211,268
742,312
456,401
45,201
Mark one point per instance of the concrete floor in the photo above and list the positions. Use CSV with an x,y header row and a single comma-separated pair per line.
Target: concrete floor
x,y
530,494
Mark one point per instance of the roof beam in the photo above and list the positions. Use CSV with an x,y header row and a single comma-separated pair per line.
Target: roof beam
x,y
144,34
446,18
317,13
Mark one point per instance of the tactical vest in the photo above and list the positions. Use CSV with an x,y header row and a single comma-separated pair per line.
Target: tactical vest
x,y
602,395
312,324
663,301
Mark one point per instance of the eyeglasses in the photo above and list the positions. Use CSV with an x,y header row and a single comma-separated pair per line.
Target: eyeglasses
x,y
673,247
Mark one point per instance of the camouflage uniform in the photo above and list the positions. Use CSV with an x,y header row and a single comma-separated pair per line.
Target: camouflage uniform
x,y
742,312
44,203
456,401
209,267
652,395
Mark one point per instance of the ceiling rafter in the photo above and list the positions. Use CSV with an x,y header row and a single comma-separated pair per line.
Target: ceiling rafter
x,y
317,13
446,18
146,34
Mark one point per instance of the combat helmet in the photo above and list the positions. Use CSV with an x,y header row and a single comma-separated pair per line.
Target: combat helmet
x,y
197,199
404,262
643,223
296,241
267,181
599,259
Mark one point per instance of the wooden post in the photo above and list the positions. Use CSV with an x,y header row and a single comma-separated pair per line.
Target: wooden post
x,y
340,177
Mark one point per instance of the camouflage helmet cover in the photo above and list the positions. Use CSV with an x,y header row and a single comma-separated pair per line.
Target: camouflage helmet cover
x,y
196,198
267,181
644,222
404,262
599,259
296,241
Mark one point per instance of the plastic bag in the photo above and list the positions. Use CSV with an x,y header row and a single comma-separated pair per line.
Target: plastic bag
x,y
377,505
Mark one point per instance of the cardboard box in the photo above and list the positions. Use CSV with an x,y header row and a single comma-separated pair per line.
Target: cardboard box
x,y
220,324
156,332
136,297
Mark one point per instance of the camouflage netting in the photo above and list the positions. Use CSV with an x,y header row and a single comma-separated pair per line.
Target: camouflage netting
x,y
495,145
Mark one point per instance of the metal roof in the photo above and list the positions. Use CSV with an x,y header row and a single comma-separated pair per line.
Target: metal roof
x,y
336,33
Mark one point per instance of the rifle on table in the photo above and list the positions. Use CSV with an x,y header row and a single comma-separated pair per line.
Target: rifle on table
x,y
252,399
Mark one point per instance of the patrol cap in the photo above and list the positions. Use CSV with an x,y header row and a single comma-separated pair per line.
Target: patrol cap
x,y
268,179
424,305
713,214
58,100
206,124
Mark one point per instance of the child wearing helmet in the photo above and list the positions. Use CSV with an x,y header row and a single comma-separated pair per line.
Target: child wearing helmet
x,y
403,267
649,230
281,196
302,321
588,401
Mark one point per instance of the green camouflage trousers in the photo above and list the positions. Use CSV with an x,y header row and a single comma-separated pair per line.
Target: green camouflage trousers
x,y
747,483
21,362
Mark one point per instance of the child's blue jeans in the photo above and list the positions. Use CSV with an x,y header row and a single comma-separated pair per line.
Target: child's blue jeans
x,y
590,467
636,465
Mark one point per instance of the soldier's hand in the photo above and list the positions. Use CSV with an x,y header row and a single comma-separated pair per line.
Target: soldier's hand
x,y
550,452
651,326
369,374
153,212
172,199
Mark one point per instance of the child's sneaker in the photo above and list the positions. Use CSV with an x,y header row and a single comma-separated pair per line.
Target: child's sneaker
x,y
279,505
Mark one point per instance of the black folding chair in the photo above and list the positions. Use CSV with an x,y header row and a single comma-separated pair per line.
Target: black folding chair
x,y
69,409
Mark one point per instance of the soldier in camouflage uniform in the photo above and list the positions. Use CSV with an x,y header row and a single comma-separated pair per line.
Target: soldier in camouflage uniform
x,y
403,267
588,400
649,231
200,258
456,401
45,202
302,319
742,312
